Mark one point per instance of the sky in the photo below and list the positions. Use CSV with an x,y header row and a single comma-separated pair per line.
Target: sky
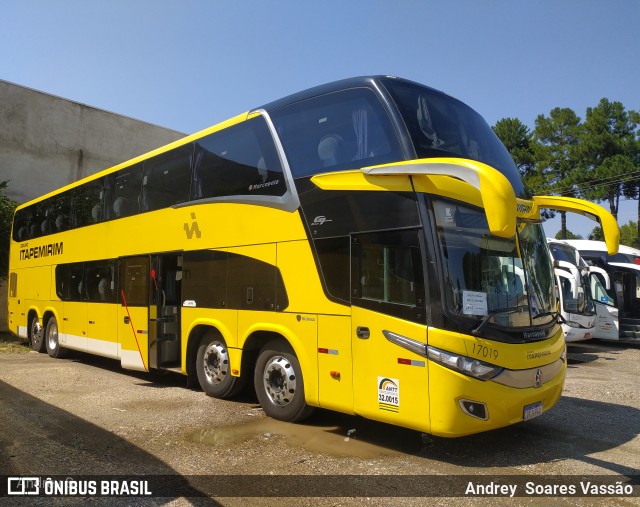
x,y
188,64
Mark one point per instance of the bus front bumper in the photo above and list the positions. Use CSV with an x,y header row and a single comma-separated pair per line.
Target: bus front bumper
x,y
469,406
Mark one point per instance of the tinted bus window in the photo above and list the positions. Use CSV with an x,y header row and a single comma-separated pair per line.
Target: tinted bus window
x,y
335,264
87,201
37,221
59,212
123,192
69,285
21,225
341,130
240,160
387,274
441,126
205,278
167,179
99,281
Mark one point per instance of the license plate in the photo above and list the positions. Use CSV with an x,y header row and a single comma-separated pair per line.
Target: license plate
x,y
533,410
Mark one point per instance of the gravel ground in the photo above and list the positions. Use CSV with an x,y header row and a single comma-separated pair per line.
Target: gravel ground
x,y
86,416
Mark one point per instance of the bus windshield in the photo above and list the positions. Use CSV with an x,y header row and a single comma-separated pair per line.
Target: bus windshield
x,y
580,302
507,282
441,126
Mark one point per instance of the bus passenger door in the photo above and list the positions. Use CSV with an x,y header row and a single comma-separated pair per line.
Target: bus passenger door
x,y
164,311
390,379
133,312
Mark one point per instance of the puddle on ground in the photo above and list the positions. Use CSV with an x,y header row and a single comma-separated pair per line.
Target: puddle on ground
x,y
324,439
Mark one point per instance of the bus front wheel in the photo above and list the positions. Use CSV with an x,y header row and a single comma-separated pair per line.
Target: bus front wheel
x,y
279,384
52,340
214,369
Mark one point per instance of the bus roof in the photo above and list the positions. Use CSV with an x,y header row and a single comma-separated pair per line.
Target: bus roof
x,y
585,244
353,82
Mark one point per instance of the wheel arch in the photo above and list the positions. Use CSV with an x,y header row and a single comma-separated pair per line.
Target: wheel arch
x,y
196,332
258,337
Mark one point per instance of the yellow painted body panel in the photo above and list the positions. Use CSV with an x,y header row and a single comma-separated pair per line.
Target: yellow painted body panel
x,y
302,280
221,225
607,220
357,180
376,359
498,197
335,366
133,337
102,325
74,325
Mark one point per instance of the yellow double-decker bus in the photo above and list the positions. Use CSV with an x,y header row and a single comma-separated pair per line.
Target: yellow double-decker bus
x,y
362,246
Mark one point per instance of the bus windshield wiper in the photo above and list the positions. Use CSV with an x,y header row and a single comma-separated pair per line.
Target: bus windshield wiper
x,y
493,313
546,314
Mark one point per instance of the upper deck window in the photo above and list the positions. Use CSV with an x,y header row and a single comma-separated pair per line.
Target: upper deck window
x,y
341,130
441,126
239,160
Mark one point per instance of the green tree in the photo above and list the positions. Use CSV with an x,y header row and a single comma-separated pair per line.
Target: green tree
x,y
518,140
556,140
628,234
608,154
7,207
596,234
568,235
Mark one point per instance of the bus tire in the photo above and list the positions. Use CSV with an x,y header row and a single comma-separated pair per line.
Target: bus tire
x,y
279,384
52,340
214,369
36,334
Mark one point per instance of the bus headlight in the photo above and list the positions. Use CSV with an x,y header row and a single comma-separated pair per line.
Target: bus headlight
x,y
463,364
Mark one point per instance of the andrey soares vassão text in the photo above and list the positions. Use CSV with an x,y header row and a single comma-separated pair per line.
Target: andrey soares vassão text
x,y
530,488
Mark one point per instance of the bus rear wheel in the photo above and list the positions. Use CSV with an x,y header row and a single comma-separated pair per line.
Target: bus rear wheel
x,y
279,384
36,335
52,340
214,368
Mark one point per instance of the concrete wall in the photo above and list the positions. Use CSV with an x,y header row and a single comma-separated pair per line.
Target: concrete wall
x,y
47,142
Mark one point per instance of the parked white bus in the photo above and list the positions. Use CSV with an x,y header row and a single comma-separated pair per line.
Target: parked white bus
x,y
623,270
586,307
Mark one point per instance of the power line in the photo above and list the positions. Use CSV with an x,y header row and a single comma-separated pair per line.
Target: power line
x,y
596,183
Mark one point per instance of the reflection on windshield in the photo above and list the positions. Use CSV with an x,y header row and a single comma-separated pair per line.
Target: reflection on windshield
x,y
573,279
535,254
486,276
599,293
441,126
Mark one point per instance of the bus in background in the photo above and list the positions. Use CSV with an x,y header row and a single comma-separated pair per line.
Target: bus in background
x,y
361,246
624,271
587,310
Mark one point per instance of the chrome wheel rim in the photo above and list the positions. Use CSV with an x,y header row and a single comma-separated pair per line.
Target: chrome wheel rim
x,y
216,362
279,381
52,335
36,332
